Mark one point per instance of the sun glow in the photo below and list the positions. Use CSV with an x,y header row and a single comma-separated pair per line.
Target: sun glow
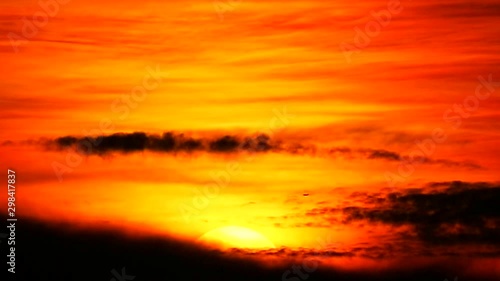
x,y
235,237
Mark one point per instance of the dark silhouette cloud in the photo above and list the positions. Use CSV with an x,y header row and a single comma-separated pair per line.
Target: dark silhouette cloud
x,y
171,142
383,154
448,213
225,144
168,142
66,141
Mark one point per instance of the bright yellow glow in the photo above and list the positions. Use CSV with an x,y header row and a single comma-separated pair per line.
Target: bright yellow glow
x,y
235,237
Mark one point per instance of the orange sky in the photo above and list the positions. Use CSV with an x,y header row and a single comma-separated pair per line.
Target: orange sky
x,y
207,76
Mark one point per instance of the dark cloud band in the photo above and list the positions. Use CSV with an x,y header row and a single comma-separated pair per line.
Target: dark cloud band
x,y
171,142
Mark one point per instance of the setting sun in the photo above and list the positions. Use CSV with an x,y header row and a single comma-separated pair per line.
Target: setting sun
x,y
235,237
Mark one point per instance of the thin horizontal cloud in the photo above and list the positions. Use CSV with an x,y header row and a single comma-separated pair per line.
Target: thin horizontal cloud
x,y
168,142
171,142
378,251
457,9
302,253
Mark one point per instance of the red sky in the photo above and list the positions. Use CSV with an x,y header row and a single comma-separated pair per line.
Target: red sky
x,y
422,88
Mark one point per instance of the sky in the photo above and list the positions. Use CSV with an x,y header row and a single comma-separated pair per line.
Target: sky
x,y
364,135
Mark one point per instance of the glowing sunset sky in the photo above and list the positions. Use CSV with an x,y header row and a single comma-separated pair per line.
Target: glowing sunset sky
x,y
258,115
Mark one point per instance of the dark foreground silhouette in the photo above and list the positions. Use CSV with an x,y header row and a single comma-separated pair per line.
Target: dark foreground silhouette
x,y
57,252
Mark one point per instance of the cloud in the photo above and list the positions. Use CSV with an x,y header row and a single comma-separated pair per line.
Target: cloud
x,y
170,142
444,213
383,154
460,9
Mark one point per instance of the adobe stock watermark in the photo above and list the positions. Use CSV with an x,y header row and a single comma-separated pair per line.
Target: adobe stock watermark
x,y
372,29
222,178
48,10
121,106
453,115
309,264
121,277
221,7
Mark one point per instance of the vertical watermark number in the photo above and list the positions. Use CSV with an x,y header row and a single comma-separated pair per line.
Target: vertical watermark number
x,y
11,220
